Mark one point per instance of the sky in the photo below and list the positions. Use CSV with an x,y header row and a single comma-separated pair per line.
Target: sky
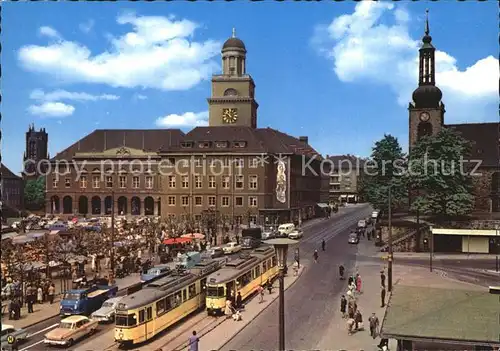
x,y
341,73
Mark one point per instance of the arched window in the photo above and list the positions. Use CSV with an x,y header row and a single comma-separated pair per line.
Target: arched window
x,y
67,205
83,205
424,129
231,92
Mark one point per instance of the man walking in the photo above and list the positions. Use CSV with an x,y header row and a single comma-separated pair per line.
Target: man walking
x,y
193,342
373,320
382,278
323,245
382,296
343,305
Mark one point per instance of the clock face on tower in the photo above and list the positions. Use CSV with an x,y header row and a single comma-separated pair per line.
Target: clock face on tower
x,y
424,116
229,115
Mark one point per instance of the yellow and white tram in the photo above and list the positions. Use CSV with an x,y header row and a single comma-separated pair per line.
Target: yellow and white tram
x,y
143,314
242,275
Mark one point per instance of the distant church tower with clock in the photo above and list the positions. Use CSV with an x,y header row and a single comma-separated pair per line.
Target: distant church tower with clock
x,y
233,92
427,110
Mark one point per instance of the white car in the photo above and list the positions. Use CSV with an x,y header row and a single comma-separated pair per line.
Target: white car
x,y
362,223
296,234
231,248
107,312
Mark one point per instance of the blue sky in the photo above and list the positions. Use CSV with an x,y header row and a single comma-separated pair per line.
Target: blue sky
x,y
340,73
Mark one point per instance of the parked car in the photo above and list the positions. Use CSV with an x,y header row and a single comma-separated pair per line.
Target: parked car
x,y
70,330
296,234
249,242
268,233
157,271
18,334
286,229
362,223
231,248
353,238
107,312
215,252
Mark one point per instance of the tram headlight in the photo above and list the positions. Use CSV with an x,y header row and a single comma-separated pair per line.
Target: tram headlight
x,y
120,335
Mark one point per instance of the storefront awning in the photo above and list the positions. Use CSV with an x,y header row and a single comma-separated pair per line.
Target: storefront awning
x,y
322,205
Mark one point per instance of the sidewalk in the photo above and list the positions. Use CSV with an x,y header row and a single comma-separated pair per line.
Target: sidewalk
x,y
369,301
214,333
438,256
46,311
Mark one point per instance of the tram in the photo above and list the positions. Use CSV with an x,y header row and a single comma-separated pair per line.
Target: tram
x,y
142,315
242,275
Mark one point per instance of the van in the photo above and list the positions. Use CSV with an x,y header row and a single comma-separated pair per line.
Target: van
x,y
249,242
286,229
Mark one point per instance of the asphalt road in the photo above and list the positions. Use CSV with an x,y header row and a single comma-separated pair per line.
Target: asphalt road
x,y
309,302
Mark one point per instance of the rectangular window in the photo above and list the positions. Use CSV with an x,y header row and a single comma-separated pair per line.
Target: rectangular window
x,y
264,266
55,183
149,313
198,162
192,291
123,181
252,201
141,316
83,182
198,201
185,200
149,182
238,201
171,200
67,182
253,182
238,220
135,182
185,182
252,219
160,307
184,295
226,162
109,182
169,302
171,215
225,182
238,162
257,272
171,181
254,162
197,217
239,181
96,182
225,201
198,182
211,182
211,201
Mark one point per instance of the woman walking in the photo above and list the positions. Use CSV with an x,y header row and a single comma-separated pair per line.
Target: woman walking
x,y
358,283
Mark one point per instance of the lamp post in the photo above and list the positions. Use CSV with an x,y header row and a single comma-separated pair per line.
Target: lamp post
x,y
431,248
281,248
389,267
497,229
112,251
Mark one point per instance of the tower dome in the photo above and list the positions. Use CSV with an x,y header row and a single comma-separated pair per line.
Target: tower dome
x,y
234,44
427,96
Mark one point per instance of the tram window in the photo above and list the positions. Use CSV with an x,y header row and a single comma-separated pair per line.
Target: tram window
x,y
184,295
192,291
177,298
123,321
141,316
264,266
169,302
160,307
244,279
215,291
273,261
257,272
149,313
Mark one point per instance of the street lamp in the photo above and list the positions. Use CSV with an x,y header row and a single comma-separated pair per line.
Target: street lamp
x,y
281,248
497,229
431,247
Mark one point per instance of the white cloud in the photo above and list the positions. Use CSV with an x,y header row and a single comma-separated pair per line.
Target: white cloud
x,y
139,97
188,119
363,49
67,95
51,109
87,26
49,32
159,53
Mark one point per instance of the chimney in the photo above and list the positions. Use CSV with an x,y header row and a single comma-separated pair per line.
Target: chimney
x,y
304,139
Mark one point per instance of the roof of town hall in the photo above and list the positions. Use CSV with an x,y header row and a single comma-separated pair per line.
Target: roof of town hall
x,y
258,140
446,315
485,138
7,173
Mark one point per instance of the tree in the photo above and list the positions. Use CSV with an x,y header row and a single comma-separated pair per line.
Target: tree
x,y
386,169
16,262
34,193
437,169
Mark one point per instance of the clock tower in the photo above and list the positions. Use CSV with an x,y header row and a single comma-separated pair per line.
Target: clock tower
x,y
427,110
233,92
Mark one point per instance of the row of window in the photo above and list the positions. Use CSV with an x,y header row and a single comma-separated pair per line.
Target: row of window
x,y
108,180
212,201
238,220
253,162
239,182
246,278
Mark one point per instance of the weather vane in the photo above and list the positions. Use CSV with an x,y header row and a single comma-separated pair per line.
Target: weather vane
x,y
234,32
427,22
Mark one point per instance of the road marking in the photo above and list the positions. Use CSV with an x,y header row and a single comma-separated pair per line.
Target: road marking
x,y
29,347
41,331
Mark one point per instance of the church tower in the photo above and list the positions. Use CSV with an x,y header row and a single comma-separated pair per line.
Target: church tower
x,y
427,111
36,151
233,92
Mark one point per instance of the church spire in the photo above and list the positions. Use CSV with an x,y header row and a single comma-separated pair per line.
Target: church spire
x,y
427,31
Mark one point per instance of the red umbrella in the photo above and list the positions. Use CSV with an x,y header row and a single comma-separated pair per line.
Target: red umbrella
x,y
173,241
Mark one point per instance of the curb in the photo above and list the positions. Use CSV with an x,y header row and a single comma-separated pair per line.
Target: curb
x,y
260,312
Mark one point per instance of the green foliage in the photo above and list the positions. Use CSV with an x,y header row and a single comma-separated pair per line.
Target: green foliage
x,y
437,171
385,170
34,193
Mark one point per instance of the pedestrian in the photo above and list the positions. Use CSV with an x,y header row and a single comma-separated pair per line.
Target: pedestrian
x,y
39,295
358,283
358,319
323,244
382,278
350,325
269,287
315,255
349,281
343,305
373,320
51,293
384,344
382,296
260,291
193,342
296,268
239,300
